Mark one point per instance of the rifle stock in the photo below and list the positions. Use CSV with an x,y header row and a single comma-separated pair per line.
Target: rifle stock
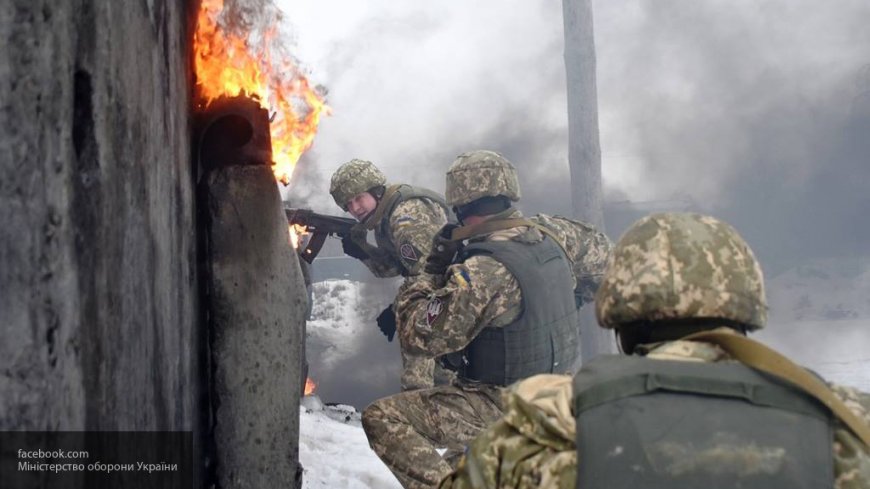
x,y
320,226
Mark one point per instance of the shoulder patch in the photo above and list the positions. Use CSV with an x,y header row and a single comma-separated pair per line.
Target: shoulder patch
x,y
433,310
408,252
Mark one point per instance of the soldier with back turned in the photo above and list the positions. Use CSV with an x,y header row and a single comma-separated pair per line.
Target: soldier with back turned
x,y
693,403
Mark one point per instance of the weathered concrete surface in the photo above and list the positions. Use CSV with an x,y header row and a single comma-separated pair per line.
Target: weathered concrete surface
x,y
258,305
98,287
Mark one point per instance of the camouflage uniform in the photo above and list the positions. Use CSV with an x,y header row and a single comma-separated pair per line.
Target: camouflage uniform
x,y
587,249
481,292
404,239
442,314
666,267
532,445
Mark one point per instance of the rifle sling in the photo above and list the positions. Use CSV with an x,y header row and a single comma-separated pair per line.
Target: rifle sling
x,y
759,356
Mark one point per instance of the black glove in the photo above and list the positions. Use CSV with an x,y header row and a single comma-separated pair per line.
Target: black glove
x,y
387,322
443,251
352,248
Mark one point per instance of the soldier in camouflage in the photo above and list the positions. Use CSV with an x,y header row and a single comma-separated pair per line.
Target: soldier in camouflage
x,y
498,309
404,220
673,275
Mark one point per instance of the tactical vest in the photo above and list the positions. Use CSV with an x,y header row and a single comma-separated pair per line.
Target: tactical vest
x,y
383,237
545,337
675,424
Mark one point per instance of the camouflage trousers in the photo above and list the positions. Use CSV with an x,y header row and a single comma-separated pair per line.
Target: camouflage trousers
x,y
405,429
423,372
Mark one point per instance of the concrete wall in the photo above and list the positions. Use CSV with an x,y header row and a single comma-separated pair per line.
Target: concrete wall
x,y
257,309
98,278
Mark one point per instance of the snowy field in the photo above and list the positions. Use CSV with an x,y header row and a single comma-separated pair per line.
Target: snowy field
x,y
819,317
334,451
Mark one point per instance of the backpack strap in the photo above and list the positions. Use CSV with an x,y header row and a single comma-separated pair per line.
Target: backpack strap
x,y
759,356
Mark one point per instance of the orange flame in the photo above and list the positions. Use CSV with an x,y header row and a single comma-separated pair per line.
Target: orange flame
x,y
310,386
226,64
296,234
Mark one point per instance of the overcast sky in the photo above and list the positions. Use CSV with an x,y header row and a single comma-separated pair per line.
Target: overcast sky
x,y
753,111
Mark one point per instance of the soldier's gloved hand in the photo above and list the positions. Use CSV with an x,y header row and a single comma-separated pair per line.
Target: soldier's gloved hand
x,y
387,322
351,246
443,251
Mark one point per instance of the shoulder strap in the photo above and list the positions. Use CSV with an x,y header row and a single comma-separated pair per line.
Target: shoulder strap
x,y
493,225
486,227
756,355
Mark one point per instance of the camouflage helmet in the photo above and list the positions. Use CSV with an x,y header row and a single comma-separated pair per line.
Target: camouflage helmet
x,y
481,173
353,178
681,266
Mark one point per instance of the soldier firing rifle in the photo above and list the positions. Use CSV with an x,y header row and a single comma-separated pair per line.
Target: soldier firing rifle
x,y
319,226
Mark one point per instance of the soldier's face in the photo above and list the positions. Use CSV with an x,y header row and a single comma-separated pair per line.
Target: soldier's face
x,y
361,205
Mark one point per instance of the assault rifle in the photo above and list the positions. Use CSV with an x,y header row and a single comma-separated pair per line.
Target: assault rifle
x,y
320,226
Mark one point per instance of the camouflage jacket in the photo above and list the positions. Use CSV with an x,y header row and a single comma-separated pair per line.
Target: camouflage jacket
x,y
533,444
405,239
587,249
442,314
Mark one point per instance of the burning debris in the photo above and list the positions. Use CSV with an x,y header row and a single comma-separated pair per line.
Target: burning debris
x,y
232,62
310,386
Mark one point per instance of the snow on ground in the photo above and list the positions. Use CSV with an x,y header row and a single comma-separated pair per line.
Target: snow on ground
x,y
334,452
352,363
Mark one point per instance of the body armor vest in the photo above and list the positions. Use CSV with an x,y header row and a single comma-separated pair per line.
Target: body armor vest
x,y
383,236
545,337
676,424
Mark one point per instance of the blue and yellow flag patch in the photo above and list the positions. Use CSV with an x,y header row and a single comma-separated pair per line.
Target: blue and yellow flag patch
x,y
462,278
